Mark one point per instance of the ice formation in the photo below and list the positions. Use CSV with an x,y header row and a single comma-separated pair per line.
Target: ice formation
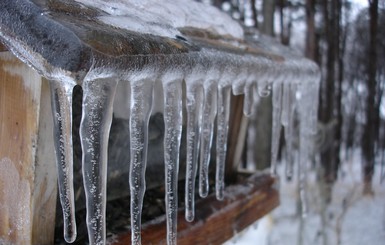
x,y
165,17
209,75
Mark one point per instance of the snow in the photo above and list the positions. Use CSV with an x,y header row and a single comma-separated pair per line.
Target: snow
x,y
164,17
360,218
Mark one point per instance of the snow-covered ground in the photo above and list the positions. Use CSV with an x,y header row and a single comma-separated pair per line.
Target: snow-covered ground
x,y
351,218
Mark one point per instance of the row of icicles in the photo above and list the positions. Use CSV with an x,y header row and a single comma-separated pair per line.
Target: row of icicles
x,y
206,103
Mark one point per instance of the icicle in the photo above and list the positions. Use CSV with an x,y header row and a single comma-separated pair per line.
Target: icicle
x,y
264,89
304,120
314,90
286,104
250,100
141,105
208,118
61,97
194,104
276,127
173,131
287,120
223,114
98,97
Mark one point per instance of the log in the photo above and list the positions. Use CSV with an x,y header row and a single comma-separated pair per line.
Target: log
x,y
216,221
27,165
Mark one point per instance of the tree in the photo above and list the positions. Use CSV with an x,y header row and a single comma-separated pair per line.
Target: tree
x,y
372,104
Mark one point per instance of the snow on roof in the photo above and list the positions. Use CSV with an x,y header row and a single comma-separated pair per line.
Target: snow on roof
x,y
164,17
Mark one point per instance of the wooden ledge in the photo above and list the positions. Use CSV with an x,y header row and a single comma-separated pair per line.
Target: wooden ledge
x,y
216,221
2,47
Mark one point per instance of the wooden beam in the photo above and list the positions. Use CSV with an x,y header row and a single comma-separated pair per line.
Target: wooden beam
x,y
216,221
235,135
27,167
2,48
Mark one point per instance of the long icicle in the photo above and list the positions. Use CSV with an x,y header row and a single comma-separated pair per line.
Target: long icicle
x,y
287,120
61,99
249,103
304,144
223,114
173,131
98,98
194,104
208,118
141,105
276,128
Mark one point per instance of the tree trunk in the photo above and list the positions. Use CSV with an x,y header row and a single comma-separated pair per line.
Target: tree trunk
x,y
268,17
311,49
330,99
372,106
285,22
254,13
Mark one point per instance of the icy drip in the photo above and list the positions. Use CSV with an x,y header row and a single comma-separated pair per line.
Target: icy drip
x,y
208,118
194,104
98,98
173,130
250,100
61,97
287,117
304,132
141,105
264,89
223,113
276,125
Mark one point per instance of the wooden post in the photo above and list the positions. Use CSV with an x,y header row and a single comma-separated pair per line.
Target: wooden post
x,y
27,166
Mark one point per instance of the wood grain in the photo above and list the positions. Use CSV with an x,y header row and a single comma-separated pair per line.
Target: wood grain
x,y
2,47
24,184
216,221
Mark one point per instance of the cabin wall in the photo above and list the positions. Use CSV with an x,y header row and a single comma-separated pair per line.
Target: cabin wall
x,y
27,165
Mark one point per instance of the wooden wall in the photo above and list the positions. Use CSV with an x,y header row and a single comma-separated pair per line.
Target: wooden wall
x,y
27,166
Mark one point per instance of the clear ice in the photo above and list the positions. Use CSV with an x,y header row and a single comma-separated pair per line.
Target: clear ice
x,y
223,114
173,121
208,119
276,125
95,125
209,75
288,109
194,104
61,99
141,105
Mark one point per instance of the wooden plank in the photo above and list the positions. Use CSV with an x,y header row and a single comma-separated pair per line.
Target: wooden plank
x,y
2,47
25,171
235,134
216,221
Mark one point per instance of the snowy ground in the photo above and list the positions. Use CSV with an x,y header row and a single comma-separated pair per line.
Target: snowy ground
x,y
350,219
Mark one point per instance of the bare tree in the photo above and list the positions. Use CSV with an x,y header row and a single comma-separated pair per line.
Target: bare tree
x,y
372,104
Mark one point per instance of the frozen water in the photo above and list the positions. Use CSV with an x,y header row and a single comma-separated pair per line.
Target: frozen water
x,y
304,132
288,123
141,105
173,132
164,18
241,63
61,94
194,106
223,114
208,118
95,125
276,127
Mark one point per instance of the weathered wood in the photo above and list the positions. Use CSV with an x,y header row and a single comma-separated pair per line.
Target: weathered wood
x,y
236,114
27,167
2,47
243,205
